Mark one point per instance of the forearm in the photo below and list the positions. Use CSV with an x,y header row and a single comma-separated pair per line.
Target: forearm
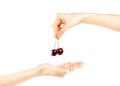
x,y
16,78
1,84
104,20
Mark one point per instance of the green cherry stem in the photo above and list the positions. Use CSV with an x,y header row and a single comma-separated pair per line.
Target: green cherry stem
x,y
56,43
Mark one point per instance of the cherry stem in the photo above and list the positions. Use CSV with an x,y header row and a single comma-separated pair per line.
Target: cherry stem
x,y
56,42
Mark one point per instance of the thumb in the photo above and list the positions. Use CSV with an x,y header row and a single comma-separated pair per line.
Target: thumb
x,y
61,31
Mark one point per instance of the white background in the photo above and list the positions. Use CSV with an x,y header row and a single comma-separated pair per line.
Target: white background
x,y
26,38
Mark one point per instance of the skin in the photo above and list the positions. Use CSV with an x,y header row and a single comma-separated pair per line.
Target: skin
x,y
40,70
65,21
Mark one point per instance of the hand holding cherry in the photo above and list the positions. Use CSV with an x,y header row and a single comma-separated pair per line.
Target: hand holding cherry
x,y
58,51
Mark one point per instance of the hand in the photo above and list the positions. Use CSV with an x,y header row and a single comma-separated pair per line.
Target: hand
x,y
65,21
59,70
43,69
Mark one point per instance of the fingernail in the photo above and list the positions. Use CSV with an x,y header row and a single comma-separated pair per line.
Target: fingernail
x,y
58,36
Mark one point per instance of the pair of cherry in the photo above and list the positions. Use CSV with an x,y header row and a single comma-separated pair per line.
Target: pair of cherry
x,y
58,51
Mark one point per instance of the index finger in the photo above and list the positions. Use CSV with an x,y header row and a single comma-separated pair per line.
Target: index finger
x,y
57,24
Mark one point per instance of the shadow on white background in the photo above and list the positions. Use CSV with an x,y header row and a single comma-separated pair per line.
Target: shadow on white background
x,y
26,38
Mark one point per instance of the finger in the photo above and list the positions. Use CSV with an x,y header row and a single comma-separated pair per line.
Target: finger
x,y
59,34
71,68
61,31
74,66
65,65
78,64
57,24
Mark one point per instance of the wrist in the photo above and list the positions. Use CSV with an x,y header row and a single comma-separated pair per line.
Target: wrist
x,y
86,17
37,71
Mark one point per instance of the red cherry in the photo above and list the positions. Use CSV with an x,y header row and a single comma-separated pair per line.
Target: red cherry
x,y
54,52
60,51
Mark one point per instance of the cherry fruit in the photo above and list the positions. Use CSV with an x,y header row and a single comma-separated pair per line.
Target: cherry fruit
x,y
54,52
60,51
